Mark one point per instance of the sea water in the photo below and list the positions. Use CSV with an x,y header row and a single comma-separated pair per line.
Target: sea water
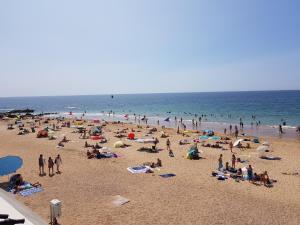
x,y
217,109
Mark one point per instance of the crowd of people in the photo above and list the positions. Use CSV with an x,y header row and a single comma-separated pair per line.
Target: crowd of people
x,y
96,151
238,173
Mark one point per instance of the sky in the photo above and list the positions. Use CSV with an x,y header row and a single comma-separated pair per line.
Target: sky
x,y
69,47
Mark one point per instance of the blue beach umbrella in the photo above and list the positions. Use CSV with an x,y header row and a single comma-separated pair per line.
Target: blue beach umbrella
x,y
10,164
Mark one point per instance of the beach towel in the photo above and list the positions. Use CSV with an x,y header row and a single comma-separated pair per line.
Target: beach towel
x,y
109,155
167,175
270,158
31,191
119,200
149,140
149,150
185,141
219,175
203,137
215,138
95,137
139,169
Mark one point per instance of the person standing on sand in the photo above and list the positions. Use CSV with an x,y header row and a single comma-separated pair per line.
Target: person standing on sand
x,y
58,162
156,141
220,162
236,133
168,144
250,173
50,166
42,163
233,160
231,146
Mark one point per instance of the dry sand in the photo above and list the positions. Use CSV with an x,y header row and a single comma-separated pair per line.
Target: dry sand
x,y
86,187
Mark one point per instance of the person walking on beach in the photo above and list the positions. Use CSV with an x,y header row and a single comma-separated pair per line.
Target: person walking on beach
x,y
220,162
233,160
50,166
168,144
42,163
280,129
58,162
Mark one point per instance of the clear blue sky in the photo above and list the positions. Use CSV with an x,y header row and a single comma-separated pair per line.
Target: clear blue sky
x,y
141,46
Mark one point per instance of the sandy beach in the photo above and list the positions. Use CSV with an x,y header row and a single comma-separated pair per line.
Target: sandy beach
x,y
87,187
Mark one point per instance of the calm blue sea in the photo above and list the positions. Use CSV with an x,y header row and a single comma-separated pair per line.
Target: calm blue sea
x,y
269,107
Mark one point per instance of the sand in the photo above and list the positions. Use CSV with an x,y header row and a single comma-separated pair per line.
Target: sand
x,y
87,187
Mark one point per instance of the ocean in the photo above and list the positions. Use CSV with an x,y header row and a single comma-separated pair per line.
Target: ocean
x,y
219,109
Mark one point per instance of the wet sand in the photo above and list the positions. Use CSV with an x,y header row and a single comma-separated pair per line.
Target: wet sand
x,y
86,186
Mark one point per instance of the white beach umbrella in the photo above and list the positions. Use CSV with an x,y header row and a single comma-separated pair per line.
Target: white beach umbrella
x,y
237,143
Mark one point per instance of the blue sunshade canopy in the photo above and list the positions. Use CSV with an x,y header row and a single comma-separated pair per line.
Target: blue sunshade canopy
x,y
10,164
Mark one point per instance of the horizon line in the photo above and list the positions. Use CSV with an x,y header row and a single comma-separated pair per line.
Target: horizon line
x,y
145,93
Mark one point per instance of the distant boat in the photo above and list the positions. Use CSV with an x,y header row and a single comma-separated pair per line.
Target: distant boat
x,y
112,96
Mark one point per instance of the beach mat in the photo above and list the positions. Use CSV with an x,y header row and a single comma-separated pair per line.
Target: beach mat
x,y
167,175
31,191
139,169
